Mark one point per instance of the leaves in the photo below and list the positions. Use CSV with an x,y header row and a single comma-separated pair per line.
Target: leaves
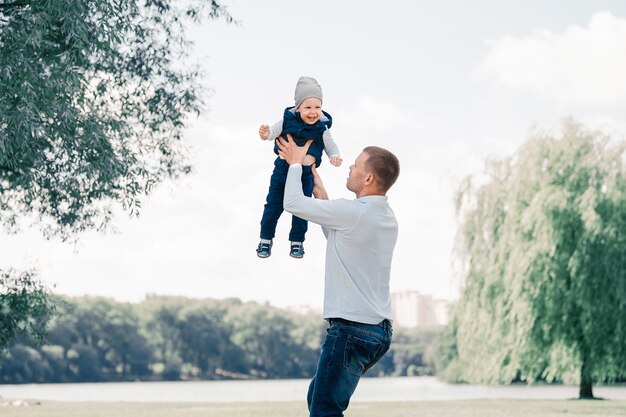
x,y
543,244
25,306
94,100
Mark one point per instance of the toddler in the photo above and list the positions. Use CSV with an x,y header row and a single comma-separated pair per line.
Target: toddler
x,y
304,121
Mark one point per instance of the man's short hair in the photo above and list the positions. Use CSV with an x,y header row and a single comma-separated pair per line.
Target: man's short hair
x,y
385,165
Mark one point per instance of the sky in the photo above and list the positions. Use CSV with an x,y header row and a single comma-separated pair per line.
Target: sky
x,y
444,85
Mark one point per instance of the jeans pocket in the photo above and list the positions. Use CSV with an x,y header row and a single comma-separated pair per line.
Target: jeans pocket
x,y
360,354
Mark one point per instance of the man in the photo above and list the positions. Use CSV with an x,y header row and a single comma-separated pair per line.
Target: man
x,y
361,235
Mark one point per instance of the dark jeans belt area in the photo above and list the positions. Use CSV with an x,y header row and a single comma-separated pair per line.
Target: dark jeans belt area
x,y
385,324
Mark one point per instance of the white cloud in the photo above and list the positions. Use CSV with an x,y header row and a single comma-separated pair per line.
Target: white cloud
x,y
373,112
580,66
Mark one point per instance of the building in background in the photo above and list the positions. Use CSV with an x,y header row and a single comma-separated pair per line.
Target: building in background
x,y
412,309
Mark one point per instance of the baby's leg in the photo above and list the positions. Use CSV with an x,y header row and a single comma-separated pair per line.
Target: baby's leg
x,y
274,202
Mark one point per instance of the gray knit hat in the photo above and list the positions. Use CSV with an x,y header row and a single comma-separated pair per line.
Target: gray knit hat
x,y
307,87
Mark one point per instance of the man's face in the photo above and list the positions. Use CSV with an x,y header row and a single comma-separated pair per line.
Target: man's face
x,y
357,175
310,110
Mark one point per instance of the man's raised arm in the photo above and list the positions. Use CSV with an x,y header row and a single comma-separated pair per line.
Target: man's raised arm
x,y
335,214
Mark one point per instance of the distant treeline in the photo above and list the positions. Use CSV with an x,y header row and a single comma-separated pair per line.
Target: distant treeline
x,y
175,338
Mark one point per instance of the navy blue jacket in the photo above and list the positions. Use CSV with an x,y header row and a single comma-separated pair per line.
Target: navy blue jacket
x,y
302,132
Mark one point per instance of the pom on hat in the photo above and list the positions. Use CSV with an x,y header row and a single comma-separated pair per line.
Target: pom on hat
x,y
307,87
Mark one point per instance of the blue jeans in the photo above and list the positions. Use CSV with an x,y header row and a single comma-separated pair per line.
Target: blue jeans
x,y
349,350
274,202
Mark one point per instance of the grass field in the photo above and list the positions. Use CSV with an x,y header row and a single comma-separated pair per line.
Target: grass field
x,y
474,408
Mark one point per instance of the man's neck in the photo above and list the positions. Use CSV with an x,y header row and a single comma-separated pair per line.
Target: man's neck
x,y
369,193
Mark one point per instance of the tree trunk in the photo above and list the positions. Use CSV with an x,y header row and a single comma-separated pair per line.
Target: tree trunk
x,y
586,382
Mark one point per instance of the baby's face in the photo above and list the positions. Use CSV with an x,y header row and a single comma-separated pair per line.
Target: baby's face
x,y
310,110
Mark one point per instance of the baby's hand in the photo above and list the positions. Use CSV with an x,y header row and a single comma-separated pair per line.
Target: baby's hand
x,y
336,160
264,131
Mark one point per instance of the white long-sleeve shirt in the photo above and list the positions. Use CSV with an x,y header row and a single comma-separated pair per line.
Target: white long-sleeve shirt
x,y
361,235
330,146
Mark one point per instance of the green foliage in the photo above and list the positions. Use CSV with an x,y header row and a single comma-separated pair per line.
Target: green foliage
x,y
94,99
543,240
443,354
25,306
177,338
267,335
410,353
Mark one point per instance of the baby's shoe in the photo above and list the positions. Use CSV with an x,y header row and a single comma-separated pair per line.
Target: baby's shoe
x,y
264,250
297,250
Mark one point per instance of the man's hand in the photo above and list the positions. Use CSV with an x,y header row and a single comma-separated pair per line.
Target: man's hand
x,y
319,191
264,132
291,152
336,161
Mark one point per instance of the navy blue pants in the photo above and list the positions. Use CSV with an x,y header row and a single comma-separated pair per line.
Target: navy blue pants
x,y
349,350
274,202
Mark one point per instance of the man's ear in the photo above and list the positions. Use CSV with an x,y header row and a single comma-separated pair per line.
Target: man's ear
x,y
369,179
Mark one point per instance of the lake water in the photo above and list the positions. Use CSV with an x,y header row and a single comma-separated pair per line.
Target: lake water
x,y
370,389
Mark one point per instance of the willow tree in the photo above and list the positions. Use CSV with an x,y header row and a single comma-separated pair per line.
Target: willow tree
x,y
542,243
94,99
